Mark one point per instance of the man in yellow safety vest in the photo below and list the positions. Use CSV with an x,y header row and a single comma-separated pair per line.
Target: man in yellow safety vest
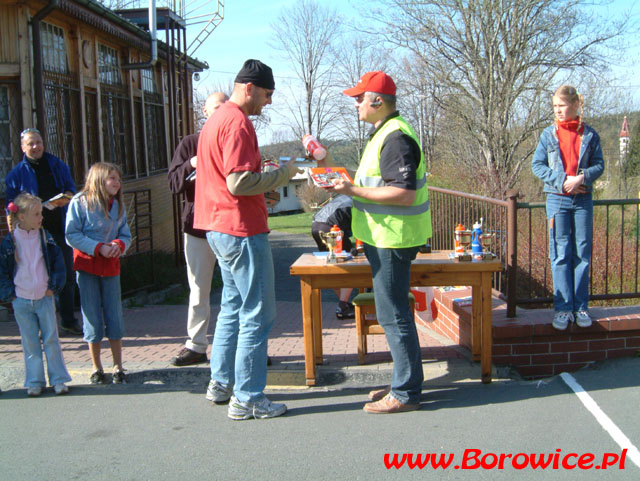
x,y
391,216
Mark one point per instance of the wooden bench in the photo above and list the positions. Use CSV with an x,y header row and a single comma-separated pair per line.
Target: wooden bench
x,y
365,304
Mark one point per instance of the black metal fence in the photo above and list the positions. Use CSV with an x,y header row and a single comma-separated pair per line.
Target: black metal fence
x,y
523,242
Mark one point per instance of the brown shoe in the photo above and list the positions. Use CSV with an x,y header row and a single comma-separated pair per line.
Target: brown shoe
x,y
389,405
378,394
187,357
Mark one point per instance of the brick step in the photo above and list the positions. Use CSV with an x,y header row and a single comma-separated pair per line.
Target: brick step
x,y
530,344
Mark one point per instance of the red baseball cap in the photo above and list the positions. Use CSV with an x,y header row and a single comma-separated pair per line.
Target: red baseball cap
x,y
378,82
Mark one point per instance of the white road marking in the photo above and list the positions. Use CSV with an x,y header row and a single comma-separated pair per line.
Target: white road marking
x,y
605,421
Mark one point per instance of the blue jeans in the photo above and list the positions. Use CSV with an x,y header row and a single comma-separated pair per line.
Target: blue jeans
x,y
391,275
570,220
101,307
33,318
247,313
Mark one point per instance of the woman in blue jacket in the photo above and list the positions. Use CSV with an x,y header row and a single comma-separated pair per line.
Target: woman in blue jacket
x,y
568,160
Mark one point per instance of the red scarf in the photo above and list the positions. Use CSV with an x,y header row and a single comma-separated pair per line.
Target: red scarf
x,y
570,137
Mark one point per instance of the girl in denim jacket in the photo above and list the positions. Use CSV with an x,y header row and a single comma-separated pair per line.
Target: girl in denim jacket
x,y
98,232
32,270
568,160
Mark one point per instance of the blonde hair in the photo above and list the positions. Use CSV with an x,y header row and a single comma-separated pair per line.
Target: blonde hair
x,y
23,202
95,191
569,94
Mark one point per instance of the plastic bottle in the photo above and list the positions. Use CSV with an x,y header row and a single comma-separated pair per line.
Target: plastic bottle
x,y
338,247
476,236
459,248
316,150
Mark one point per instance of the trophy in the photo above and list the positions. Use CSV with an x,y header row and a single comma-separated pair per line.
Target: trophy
x,y
330,239
487,240
463,237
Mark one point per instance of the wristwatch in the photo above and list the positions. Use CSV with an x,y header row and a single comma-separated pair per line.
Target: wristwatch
x,y
584,179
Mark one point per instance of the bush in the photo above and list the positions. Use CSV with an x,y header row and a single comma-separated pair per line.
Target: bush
x,y
311,196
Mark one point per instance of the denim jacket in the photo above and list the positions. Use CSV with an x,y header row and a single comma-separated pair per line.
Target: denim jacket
x,y
52,258
547,162
87,228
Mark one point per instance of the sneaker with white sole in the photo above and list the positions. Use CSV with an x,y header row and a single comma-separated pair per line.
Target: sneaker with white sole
x,y
562,319
34,391
261,410
61,388
583,319
217,392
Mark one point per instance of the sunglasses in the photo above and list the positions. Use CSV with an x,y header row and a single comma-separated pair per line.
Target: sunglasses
x,y
30,130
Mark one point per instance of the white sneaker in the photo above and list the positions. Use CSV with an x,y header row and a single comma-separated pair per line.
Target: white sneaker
x,y
61,388
562,319
583,319
217,392
34,391
260,410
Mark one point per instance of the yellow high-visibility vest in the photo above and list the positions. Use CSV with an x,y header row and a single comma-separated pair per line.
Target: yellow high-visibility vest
x,y
384,225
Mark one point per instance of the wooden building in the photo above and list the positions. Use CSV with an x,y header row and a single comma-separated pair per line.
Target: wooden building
x,y
86,77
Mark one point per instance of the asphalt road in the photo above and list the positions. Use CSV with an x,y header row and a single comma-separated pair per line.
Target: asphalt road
x,y
157,432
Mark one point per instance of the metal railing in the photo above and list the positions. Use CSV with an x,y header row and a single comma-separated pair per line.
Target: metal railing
x,y
139,256
523,244
614,263
450,208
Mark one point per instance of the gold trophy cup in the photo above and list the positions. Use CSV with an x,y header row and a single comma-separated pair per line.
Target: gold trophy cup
x,y
464,239
487,240
331,239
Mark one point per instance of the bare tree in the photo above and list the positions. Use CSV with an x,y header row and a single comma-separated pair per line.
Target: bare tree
x,y
419,103
497,61
354,56
304,33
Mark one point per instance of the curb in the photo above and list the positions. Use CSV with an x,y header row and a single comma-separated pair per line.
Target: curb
x,y
328,377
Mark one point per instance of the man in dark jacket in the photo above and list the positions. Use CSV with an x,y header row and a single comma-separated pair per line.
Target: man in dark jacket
x,y
45,175
200,258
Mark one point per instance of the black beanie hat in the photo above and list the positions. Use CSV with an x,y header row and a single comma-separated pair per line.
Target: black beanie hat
x,y
257,73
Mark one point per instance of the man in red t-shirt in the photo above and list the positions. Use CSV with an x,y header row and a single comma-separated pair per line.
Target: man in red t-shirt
x,y
230,206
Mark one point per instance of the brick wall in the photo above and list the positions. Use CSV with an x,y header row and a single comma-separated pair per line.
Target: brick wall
x,y
529,342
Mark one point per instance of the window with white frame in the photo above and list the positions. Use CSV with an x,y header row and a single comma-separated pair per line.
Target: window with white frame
x,y
54,50
109,65
148,81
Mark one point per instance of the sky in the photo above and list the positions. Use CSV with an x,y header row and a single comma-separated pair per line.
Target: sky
x,y
246,32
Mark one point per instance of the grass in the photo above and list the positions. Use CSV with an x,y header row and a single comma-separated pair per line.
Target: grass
x,y
292,224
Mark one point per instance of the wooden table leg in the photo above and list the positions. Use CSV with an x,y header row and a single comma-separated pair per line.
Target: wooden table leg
x,y
476,322
307,331
487,343
316,317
